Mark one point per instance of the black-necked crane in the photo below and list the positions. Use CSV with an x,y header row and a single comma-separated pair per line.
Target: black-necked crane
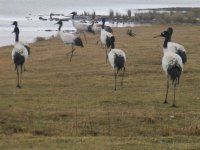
x,y
117,59
19,55
95,28
174,47
25,44
69,38
80,27
106,38
172,65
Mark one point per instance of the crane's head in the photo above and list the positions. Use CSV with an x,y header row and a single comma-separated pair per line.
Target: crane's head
x,y
170,30
165,34
73,13
59,22
103,20
15,23
16,29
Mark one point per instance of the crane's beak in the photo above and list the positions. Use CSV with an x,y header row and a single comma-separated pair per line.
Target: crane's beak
x,y
73,13
13,23
157,36
13,32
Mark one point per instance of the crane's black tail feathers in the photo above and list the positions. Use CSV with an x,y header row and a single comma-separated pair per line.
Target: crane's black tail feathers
x,y
174,72
119,62
110,42
78,42
28,49
183,56
18,60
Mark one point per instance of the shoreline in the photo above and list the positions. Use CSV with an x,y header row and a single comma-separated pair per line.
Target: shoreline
x,y
44,24
39,39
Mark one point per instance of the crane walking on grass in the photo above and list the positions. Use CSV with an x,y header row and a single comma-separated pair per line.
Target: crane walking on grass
x,y
69,38
117,59
80,27
95,28
23,43
19,55
172,65
174,47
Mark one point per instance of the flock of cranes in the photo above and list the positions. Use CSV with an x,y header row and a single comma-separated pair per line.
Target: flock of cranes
x,y
174,55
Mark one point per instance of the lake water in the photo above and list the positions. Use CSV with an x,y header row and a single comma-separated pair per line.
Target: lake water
x,y
27,12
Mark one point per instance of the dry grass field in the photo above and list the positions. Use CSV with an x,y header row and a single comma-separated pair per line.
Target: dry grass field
x,y
72,105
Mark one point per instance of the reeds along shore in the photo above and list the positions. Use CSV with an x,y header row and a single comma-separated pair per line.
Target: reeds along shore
x,y
161,16
141,16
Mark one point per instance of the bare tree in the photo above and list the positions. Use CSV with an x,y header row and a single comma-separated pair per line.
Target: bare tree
x,y
111,13
129,13
93,15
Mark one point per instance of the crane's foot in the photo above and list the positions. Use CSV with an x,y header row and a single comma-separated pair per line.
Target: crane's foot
x,y
174,106
165,102
18,86
68,53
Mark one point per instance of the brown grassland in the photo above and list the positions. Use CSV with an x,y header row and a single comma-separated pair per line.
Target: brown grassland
x,y
72,105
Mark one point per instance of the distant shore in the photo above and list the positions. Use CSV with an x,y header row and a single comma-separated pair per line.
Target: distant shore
x,y
173,15
42,25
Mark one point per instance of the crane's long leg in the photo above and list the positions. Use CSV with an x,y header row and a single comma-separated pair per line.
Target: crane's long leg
x,y
116,72
69,53
97,42
106,52
72,53
123,76
85,37
18,77
174,105
167,90
21,74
